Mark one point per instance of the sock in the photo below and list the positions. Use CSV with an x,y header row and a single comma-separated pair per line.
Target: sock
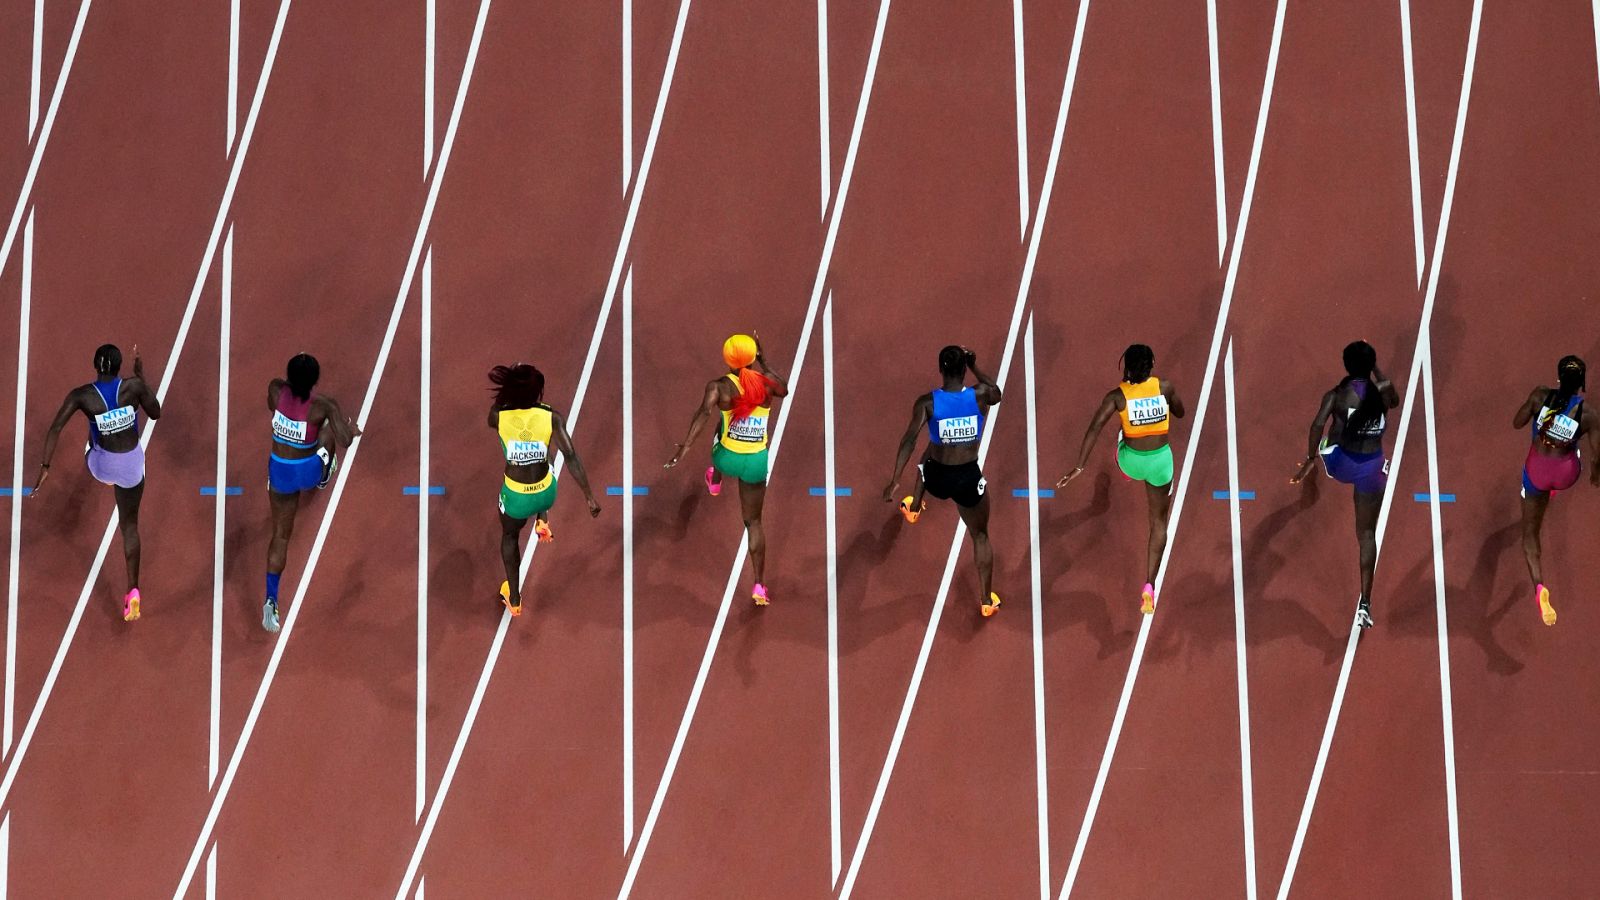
x,y
272,585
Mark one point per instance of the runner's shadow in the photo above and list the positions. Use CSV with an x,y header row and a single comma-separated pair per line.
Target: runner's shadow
x,y
1205,609
1262,565
1479,620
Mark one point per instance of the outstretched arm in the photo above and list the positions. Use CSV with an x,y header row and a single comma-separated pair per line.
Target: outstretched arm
x,y
920,411
988,391
1528,408
574,464
1319,427
70,405
1102,415
708,407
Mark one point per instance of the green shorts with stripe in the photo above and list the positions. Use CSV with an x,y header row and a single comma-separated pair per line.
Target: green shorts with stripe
x,y
1154,467
747,467
524,501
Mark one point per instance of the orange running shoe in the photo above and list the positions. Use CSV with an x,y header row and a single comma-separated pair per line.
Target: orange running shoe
x,y
992,607
1147,599
130,606
505,600
1546,611
541,528
759,594
912,515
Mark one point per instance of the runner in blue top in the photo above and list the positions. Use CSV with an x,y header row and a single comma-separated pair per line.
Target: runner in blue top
x,y
112,404
954,415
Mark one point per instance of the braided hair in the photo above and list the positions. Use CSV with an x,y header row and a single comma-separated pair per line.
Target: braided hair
x,y
1137,363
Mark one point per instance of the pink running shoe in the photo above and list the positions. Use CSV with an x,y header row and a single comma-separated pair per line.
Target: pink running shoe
x,y
759,593
130,606
1147,599
713,487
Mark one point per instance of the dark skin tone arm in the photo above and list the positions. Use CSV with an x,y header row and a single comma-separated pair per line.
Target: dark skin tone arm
x,y
563,442
1525,412
79,400
1319,424
920,413
1589,427
711,401
344,430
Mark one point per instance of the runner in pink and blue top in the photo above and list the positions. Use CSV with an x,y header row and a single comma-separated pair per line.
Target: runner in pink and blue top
x,y
114,453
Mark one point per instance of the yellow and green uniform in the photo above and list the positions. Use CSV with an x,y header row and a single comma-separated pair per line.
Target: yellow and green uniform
x,y
741,448
525,440
1145,414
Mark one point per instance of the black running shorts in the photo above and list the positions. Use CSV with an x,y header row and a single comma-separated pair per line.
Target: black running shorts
x,y
962,483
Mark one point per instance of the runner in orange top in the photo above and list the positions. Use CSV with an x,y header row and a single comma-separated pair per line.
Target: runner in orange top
x,y
1146,405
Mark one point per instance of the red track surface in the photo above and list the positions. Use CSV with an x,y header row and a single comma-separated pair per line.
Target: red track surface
x,y
111,793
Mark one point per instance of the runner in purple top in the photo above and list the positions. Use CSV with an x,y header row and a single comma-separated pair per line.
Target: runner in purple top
x,y
112,404
1347,435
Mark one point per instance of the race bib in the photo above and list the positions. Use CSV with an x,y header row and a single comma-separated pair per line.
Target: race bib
x,y
958,430
1562,428
750,429
1375,427
115,420
526,453
1147,410
287,429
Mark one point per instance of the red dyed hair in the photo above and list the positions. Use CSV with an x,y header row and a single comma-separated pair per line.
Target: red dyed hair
x,y
752,393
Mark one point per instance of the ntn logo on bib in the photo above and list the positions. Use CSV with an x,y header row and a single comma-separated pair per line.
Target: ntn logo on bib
x,y
751,429
1562,428
288,429
958,429
1147,410
114,420
526,453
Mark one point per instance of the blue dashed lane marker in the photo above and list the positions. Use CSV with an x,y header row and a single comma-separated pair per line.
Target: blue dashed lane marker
x,y
1224,495
615,490
1427,498
8,492
1044,493
229,491
412,490
823,492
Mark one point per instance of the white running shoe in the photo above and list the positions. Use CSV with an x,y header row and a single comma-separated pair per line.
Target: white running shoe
x,y
269,616
1364,613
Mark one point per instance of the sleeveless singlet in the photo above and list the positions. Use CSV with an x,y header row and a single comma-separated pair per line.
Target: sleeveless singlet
x,y
1563,431
746,435
289,420
957,418
525,435
117,418
1371,429
1144,409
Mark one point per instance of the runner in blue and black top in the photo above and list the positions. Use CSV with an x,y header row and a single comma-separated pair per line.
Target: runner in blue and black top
x,y
954,415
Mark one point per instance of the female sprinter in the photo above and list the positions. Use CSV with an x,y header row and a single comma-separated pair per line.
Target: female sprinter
x,y
527,427
954,415
1351,451
1146,405
308,429
1552,464
112,404
740,452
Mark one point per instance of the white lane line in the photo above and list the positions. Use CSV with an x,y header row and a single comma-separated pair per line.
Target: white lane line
x,y
1408,407
1597,34
1241,649
495,645
824,125
796,370
627,94
1052,166
220,795
233,73
424,433
1023,197
627,562
5,856
1445,699
1208,382
1411,138
429,81
830,508
1036,579
167,375
211,873
38,62
1216,129
42,136
13,574
214,733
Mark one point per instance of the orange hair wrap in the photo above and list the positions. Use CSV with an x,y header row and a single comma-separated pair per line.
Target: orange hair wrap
x,y
739,352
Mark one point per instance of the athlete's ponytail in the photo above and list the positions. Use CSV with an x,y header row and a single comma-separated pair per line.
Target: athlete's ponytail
x,y
1359,361
739,351
1570,372
302,374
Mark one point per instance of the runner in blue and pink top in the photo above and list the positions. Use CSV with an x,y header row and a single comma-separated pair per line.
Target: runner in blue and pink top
x,y
1559,420
308,430
114,454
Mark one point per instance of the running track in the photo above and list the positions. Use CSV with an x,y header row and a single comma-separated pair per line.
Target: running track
x,y
558,236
